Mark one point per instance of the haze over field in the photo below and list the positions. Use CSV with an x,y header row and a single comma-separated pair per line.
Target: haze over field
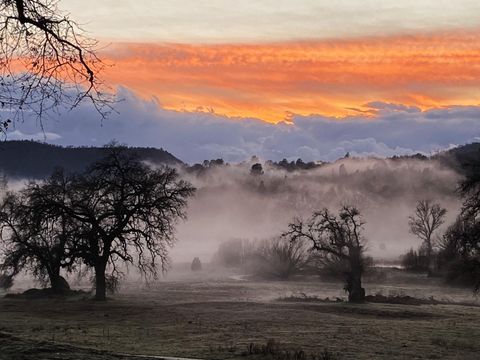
x,y
231,203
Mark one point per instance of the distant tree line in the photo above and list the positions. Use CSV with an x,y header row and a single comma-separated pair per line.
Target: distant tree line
x,y
117,211
297,165
256,166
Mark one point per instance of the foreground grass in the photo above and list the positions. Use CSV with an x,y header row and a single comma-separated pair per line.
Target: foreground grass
x,y
14,348
223,320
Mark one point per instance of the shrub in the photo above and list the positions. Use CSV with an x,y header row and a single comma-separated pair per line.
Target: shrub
x,y
279,258
196,264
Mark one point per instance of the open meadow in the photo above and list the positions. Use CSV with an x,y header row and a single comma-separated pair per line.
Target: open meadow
x,y
225,316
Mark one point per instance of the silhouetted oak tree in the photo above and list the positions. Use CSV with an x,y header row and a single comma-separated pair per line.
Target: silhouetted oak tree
x,y
127,213
37,236
337,238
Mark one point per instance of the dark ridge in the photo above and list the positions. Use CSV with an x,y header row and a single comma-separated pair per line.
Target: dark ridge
x,y
30,159
465,159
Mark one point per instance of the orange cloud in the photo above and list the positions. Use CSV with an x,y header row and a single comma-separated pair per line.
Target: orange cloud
x,y
272,81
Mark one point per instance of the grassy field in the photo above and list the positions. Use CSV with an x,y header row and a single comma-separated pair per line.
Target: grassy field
x,y
218,317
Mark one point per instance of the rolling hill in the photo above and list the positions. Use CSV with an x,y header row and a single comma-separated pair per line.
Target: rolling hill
x,y
30,159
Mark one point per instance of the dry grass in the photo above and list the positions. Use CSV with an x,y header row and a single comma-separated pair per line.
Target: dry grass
x,y
221,318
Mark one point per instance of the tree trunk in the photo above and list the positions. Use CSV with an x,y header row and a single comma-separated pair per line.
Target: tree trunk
x,y
356,293
57,282
100,283
429,258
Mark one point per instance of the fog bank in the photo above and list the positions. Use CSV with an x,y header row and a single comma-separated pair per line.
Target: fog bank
x,y
232,203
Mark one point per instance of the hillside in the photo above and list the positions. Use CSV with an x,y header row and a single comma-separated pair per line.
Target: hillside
x,y
35,160
25,158
465,159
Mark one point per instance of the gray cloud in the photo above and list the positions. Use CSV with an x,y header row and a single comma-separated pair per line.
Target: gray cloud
x,y
38,136
193,137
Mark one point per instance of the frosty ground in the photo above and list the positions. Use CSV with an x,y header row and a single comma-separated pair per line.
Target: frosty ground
x,y
212,315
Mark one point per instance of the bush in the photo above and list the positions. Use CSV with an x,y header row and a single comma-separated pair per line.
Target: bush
x,y
279,258
196,264
270,258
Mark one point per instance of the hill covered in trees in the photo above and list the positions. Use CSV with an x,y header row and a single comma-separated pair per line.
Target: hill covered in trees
x,y
465,159
32,159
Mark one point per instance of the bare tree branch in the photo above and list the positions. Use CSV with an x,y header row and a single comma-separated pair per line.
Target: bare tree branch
x,y
46,62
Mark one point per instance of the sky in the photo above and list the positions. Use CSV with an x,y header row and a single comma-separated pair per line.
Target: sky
x,y
278,78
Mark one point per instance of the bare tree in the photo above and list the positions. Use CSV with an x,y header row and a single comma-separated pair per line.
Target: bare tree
x,y
337,238
127,213
46,61
428,217
37,237
280,258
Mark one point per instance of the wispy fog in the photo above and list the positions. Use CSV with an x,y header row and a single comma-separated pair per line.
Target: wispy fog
x,y
231,203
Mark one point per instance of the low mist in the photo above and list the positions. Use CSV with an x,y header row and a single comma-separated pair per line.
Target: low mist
x,y
232,203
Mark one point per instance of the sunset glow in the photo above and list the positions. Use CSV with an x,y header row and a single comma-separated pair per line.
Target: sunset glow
x,y
335,78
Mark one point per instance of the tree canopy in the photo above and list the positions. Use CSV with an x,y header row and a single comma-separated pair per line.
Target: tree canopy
x,y
119,211
38,237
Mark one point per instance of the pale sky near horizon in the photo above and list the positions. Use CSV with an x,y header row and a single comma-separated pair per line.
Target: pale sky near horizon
x,y
207,21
